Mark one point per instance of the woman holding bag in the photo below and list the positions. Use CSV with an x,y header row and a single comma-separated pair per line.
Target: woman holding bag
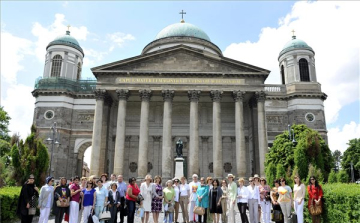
x,y
314,204
203,198
169,196
61,200
114,202
28,191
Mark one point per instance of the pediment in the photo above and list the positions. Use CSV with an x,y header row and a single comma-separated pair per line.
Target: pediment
x,y
180,59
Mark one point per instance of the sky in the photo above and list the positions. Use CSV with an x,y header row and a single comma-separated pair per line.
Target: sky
x,y
252,32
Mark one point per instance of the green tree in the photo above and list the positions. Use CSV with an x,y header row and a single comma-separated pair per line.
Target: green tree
x,y
280,171
316,172
311,149
4,124
352,154
332,177
342,176
31,157
337,156
270,173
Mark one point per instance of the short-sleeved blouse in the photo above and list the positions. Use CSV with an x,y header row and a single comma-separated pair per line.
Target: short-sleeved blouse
x,y
135,192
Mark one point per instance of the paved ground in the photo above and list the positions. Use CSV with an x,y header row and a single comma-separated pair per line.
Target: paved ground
x,y
137,219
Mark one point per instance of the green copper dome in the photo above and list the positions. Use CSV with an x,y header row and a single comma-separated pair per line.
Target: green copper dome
x,y
295,44
66,40
182,29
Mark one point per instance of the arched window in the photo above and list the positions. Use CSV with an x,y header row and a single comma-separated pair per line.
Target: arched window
x,y
78,71
304,70
282,75
56,66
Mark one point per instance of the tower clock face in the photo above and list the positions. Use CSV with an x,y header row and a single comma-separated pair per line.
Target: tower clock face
x,y
310,117
49,115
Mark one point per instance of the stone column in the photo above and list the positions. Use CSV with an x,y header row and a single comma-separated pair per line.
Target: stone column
x,y
194,96
97,129
166,161
145,96
217,135
263,142
123,95
241,164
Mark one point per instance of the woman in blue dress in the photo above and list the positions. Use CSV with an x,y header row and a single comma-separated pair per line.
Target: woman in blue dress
x,y
202,199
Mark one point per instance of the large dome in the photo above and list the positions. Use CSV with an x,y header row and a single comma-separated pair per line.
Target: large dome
x,y
295,44
66,40
182,29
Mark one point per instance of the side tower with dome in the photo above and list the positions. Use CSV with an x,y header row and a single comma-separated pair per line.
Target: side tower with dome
x,y
179,86
63,97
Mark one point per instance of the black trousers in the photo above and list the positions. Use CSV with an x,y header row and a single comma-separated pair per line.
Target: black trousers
x,y
26,218
131,207
121,209
204,217
113,211
60,215
242,209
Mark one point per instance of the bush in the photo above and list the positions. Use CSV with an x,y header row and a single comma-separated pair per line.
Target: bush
x,y
9,197
332,177
342,176
270,173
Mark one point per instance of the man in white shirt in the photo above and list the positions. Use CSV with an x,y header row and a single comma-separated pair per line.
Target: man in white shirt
x,y
194,185
253,201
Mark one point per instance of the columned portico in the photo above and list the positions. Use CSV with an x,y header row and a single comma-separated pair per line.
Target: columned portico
x,y
240,152
123,95
194,96
145,96
100,95
217,134
263,146
167,161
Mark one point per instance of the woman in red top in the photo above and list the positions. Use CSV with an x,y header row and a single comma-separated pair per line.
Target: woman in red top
x,y
131,197
315,194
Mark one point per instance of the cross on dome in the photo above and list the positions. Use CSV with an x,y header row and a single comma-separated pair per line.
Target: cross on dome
x,y
182,16
68,26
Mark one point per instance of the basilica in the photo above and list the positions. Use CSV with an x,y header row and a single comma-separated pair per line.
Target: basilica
x,y
179,87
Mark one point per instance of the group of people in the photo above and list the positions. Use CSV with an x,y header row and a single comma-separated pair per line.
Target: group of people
x,y
207,200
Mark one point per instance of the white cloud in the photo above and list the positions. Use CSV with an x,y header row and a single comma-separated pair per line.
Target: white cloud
x,y
19,103
13,50
65,4
338,138
119,38
46,34
330,29
92,56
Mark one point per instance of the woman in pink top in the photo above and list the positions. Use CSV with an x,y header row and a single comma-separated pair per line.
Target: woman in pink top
x,y
265,200
74,201
131,197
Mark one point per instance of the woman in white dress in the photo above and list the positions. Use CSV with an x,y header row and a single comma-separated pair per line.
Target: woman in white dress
x,y
145,191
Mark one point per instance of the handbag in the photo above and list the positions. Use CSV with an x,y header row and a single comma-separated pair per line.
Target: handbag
x,y
63,204
267,196
199,210
276,215
105,215
32,211
140,212
90,219
171,208
95,219
139,198
315,209
293,218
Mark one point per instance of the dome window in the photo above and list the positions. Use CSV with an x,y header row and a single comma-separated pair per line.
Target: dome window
x,y
304,70
78,76
56,66
282,75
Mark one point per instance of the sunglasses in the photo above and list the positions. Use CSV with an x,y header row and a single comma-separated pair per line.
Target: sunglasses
x,y
250,181
312,179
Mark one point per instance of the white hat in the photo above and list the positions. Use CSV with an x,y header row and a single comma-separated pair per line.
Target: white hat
x,y
195,175
256,176
230,175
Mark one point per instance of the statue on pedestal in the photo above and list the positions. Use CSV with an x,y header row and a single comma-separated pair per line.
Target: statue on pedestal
x,y
179,148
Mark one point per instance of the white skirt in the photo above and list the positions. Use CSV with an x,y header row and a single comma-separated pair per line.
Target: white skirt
x,y
73,212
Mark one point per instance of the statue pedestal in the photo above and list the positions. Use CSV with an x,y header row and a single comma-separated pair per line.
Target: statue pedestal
x,y
179,167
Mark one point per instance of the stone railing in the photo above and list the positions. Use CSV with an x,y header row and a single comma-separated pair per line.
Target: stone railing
x,y
81,86
276,88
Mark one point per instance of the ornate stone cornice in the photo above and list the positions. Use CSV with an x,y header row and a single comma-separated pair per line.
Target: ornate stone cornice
x,y
194,95
238,95
260,96
123,94
100,94
145,95
168,95
216,95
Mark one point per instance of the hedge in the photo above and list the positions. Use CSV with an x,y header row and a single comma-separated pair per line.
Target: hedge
x,y
9,197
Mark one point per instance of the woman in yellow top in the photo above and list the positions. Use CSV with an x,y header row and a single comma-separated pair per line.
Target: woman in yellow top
x,y
285,199
232,193
169,196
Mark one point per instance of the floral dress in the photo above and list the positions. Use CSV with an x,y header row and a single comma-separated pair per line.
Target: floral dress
x,y
156,203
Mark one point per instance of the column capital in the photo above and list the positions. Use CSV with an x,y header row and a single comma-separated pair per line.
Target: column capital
x,y
216,95
194,95
168,95
123,94
100,94
238,95
260,96
145,95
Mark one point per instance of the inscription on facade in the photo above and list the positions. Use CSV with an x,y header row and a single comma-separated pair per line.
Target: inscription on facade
x,y
275,119
185,81
86,117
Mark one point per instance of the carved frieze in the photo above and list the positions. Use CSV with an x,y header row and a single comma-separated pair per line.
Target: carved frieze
x,y
275,119
156,138
133,167
227,167
85,117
